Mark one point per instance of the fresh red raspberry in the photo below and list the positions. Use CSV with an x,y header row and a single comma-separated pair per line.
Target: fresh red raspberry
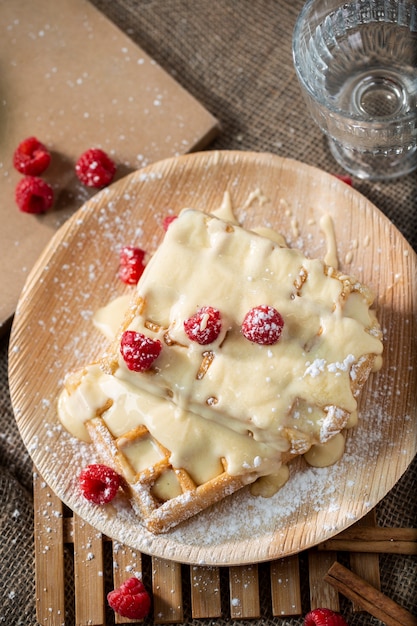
x,y
204,326
31,157
95,169
324,617
99,483
33,195
344,178
130,600
131,264
139,351
263,324
167,221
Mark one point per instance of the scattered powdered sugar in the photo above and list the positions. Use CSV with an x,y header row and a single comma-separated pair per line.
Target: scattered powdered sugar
x,y
315,368
319,365
343,366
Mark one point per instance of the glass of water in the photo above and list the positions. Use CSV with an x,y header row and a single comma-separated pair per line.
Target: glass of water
x,y
357,66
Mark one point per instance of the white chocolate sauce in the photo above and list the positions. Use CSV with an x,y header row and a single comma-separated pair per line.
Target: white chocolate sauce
x,y
254,403
326,225
324,454
194,442
109,318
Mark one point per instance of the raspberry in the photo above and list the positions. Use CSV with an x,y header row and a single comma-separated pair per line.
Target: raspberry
x,y
31,157
167,221
94,168
344,178
139,351
99,483
324,617
263,324
131,264
204,326
130,600
33,195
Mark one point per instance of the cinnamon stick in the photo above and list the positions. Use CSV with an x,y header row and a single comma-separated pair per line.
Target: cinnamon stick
x,y
369,598
376,540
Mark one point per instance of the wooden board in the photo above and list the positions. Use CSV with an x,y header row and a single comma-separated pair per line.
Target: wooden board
x,y
181,593
75,81
53,333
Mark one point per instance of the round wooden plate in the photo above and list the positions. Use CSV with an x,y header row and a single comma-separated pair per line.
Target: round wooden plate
x,y
77,273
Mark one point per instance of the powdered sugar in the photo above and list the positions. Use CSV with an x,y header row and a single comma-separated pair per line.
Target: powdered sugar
x,y
318,366
314,369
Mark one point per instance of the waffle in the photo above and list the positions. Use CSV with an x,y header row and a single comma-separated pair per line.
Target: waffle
x,y
221,416
162,495
318,303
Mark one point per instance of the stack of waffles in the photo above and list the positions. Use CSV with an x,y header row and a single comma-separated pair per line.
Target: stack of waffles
x,y
203,420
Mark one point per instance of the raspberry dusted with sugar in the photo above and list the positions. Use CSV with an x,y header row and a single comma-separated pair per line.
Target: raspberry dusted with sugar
x,y
204,326
263,325
95,169
132,264
99,483
31,157
139,351
33,195
130,600
324,617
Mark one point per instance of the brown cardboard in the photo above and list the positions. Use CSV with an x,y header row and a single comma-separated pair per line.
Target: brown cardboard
x,y
71,78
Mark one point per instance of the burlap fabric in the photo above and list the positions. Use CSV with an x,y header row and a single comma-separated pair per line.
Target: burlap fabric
x,y
234,56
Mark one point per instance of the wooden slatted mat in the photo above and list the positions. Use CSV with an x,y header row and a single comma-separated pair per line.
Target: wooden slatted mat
x,y
181,592
285,586
205,591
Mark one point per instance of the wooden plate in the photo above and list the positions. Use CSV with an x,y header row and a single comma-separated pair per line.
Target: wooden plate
x,y
77,273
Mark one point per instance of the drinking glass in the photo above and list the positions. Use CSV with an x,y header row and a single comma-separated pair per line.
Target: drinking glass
x,y
356,62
